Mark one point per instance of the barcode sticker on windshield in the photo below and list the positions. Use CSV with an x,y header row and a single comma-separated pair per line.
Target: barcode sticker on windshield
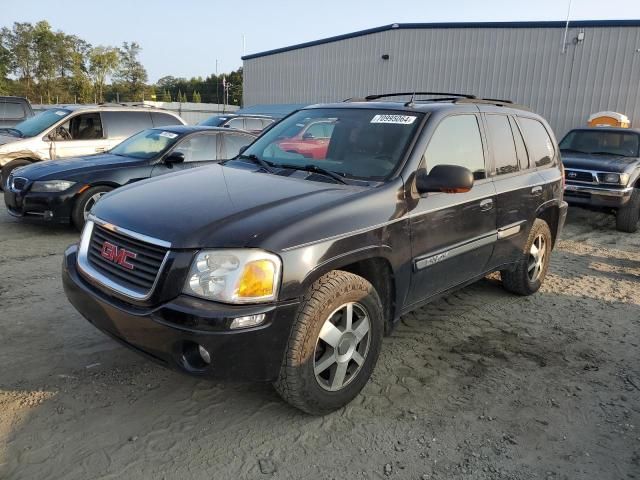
x,y
168,134
397,119
61,113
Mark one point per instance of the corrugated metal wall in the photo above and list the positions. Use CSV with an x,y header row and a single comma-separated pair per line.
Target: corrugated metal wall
x,y
526,65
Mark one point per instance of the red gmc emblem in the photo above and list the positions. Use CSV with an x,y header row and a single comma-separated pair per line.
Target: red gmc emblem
x,y
117,255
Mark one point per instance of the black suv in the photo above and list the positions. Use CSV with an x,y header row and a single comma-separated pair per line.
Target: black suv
x,y
283,268
602,170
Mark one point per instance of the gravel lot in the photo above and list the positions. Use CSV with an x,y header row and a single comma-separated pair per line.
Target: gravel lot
x,y
479,385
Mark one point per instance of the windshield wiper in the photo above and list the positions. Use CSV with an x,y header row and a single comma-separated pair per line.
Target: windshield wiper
x,y
258,161
317,169
14,131
607,153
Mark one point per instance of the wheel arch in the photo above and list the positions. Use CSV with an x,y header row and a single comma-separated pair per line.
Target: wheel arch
x,y
550,213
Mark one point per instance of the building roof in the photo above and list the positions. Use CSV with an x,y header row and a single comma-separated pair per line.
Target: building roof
x,y
418,26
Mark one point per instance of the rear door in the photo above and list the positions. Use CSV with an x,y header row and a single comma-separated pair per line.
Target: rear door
x,y
517,186
453,235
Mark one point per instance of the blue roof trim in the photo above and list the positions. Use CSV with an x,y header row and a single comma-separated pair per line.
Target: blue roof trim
x,y
415,26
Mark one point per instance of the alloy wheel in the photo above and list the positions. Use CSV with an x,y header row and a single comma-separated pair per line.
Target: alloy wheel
x,y
90,203
342,346
537,257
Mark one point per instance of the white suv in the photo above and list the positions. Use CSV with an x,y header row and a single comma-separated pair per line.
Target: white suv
x,y
73,131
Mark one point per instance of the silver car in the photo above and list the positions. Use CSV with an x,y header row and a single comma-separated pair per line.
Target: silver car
x,y
72,131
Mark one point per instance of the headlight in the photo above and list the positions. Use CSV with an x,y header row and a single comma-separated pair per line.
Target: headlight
x,y
617,178
234,276
52,186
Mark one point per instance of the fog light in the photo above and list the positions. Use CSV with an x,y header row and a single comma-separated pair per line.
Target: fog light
x,y
206,358
48,214
247,321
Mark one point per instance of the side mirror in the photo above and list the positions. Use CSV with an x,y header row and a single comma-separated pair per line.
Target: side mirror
x,y
444,178
242,149
307,136
174,157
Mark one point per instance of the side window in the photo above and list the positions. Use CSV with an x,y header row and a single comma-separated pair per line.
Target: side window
x,y
266,122
539,144
233,143
86,126
457,141
253,124
236,123
11,111
319,130
521,149
502,145
162,119
125,124
200,148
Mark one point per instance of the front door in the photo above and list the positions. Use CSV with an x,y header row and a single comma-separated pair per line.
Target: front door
x,y
198,150
79,135
453,235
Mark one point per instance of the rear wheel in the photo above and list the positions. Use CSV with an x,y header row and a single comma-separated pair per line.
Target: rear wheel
x,y
627,217
10,167
334,344
527,277
85,203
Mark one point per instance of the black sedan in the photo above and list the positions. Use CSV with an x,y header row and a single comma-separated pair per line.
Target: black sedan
x,y
63,191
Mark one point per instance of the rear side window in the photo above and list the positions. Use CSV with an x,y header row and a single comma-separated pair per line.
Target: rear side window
x,y
236,123
254,124
233,143
539,144
125,124
457,141
11,111
502,144
163,119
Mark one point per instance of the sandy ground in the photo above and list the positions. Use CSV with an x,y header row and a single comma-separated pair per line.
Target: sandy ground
x,y
480,385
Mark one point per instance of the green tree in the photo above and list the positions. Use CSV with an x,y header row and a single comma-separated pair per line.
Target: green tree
x,y
166,96
195,97
103,61
131,73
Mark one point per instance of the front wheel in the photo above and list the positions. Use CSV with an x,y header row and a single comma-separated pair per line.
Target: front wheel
x,y
334,344
85,203
627,217
529,272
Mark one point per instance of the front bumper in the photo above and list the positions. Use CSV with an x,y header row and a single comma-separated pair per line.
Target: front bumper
x,y
168,333
587,195
52,207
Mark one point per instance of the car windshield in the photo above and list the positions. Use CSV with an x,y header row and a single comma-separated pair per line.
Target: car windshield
x,y
601,142
38,124
214,121
354,143
146,144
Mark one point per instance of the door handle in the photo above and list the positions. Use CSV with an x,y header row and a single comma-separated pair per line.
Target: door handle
x,y
486,204
536,191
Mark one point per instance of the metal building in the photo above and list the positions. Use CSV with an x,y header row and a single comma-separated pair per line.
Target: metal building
x,y
596,67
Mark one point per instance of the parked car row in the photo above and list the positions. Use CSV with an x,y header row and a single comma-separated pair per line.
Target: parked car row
x,y
286,257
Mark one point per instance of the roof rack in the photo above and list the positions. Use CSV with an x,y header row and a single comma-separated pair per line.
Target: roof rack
x,y
446,97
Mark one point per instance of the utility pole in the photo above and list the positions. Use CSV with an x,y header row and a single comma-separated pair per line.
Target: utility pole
x,y
566,29
217,86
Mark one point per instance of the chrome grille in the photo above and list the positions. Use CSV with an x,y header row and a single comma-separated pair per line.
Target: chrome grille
x,y
140,269
579,176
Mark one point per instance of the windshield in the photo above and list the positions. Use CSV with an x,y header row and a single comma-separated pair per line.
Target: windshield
x,y
146,144
38,124
601,142
354,143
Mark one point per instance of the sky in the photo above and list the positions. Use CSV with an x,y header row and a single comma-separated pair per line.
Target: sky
x,y
185,38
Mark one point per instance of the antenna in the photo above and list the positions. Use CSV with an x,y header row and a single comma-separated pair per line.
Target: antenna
x,y
410,102
566,29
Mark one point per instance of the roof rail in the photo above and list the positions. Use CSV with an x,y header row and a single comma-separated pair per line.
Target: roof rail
x,y
370,98
446,97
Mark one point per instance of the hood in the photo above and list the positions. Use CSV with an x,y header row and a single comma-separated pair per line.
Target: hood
x,y
221,206
68,168
4,139
603,163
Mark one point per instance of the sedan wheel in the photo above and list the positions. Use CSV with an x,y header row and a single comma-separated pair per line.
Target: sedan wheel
x,y
537,257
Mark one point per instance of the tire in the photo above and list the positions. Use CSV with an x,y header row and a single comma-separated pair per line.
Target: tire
x,y
85,202
527,277
10,167
321,321
627,217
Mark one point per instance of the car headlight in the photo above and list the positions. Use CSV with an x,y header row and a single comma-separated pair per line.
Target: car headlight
x,y
52,186
617,178
234,276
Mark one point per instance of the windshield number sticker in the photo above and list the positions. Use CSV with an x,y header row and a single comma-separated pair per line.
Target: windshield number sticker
x,y
396,119
61,113
168,134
